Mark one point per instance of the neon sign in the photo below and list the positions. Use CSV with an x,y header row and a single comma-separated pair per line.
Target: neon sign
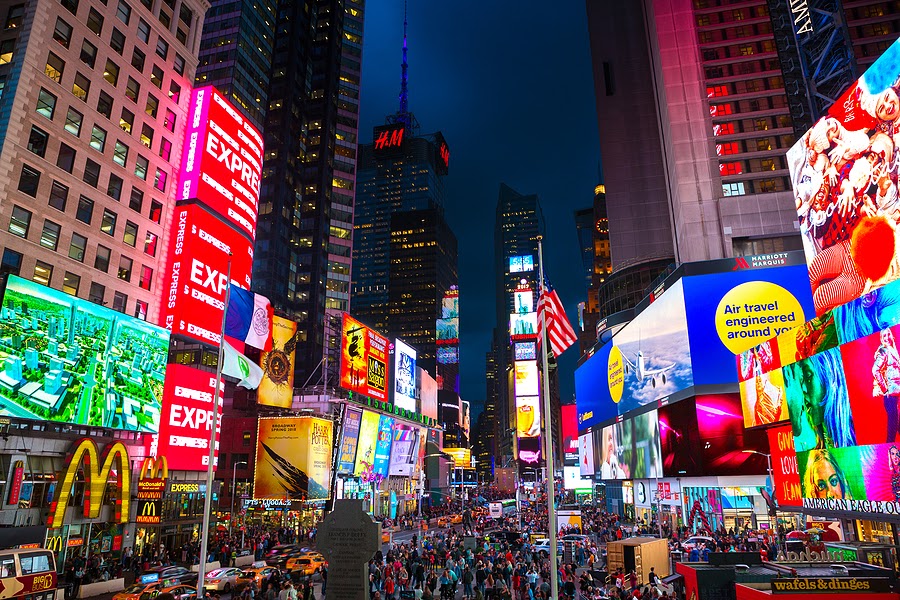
x,y
444,151
388,137
97,468
151,485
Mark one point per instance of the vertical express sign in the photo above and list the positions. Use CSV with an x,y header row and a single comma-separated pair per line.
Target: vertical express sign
x,y
364,355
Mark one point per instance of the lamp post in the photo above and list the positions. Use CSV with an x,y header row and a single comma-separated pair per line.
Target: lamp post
x,y
233,491
774,501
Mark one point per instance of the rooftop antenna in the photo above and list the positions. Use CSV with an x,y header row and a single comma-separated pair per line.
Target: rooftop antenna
x,y
403,115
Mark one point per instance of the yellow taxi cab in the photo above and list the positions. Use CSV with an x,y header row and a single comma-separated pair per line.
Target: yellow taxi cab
x,y
257,574
443,521
456,519
134,591
385,537
309,564
180,592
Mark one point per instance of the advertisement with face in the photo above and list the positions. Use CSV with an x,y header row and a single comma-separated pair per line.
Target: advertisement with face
x,y
569,431
586,454
404,450
222,160
819,407
72,361
594,379
277,385
614,454
293,458
785,472
763,398
352,421
868,314
728,313
832,474
364,360
655,351
844,177
816,335
872,370
365,447
200,246
404,376
186,418
679,439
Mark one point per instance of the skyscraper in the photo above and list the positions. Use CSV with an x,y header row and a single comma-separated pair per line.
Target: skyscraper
x,y
696,116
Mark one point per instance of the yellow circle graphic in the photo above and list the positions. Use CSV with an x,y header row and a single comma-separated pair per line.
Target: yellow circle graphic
x,y
754,312
615,374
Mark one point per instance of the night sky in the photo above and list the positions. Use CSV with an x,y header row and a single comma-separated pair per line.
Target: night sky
x,y
509,85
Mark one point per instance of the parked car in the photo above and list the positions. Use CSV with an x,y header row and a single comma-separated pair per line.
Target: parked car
x,y
698,541
221,580
575,537
542,547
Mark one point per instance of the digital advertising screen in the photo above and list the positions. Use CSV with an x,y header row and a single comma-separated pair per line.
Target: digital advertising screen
x,y
69,360
277,385
428,393
200,246
728,313
521,264
763,399
615,451
293,458
349,439
365,446
680,439
448,355
529,452
868,314
186,418
526,374
450,305
528,416
723,439
525,350
447,331
593,379
523,301
364,360
586,454
847,198
572,480
404,376
569,431
383,446
523,327
222,160
404,450
784,466
872,370
645,460
465,417
462,457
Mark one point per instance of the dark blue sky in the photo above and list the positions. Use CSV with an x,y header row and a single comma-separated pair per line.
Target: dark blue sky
x,y
509,84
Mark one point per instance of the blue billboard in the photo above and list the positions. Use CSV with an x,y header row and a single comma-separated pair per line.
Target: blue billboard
x,y
592,392
728,313
382,462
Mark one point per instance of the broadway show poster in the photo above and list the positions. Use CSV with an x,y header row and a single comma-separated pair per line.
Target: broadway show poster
x,y
364,360
365,447
383,446
352,420
293,459
277,385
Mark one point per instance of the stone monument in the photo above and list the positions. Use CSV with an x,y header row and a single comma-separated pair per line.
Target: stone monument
x,y
348,537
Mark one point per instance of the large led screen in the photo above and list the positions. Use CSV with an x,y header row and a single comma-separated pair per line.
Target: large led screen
x,y
367,441
222,160
72,361
526,374
293,458
404,450
277,385
593,379
383,447
349,439
723,439
447,331
784,466
728,313
586,453
572,480
523,301
364,360
404,376
521,264
680,439
529,452
528,416
844,175
428,393
569,429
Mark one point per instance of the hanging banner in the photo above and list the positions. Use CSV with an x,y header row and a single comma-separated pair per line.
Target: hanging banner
x,y
277,385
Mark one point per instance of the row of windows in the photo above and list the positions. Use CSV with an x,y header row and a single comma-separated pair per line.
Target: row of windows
x,y
746,106
747,86
748,125
727,16
742,68
758,186
71,283
765,144
756,165
715,36
746,49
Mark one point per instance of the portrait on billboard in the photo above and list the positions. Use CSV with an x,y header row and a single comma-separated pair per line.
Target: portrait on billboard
x,y
758,360
819,407
872,371
881,471
763,399
844,173
814,336
835,473
613,463
868,314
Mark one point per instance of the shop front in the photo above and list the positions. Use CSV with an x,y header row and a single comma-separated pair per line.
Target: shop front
x,y
659,499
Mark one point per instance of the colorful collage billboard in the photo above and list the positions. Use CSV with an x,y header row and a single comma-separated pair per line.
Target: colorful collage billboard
x,y
373,451
404,376
836,381
293,458
364,360
844,172
448,324
73,361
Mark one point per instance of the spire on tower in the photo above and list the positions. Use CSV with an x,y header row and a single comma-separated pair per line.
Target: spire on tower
x,y
403,115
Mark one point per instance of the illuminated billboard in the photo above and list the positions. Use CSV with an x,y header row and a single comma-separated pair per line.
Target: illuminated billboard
x,y
594,378
586,454
466,418
404,376
388,138
448,355
569,430
349,439
200,246
428,393
447,331
529,452
186,418
844,177
525,350
450,304
630,449
222,160
365,447
523,301
277,385
526,374
293,458
521,264
383,447
462,457
68,360
523,327
528,416
572,480
364,360
784,466
405,450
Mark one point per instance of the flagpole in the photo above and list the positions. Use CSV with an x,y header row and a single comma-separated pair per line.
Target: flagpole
x,y
207,501
548,438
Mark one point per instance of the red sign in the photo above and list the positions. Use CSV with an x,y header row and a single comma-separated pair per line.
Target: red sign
x,y
364,360
569,427
222,161
390,136
444,150
16,486
196,279
784,466
186,419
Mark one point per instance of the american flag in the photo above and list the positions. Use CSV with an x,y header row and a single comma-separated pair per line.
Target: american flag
x,y
559,330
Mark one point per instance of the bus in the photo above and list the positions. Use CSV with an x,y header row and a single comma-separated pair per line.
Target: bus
x,y
502,509
27,574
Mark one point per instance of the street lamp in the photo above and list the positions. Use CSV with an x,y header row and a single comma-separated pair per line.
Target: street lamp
x,y
772,479
233,491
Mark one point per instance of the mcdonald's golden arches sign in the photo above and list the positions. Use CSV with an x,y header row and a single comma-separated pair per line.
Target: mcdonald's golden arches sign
x,y
151,485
